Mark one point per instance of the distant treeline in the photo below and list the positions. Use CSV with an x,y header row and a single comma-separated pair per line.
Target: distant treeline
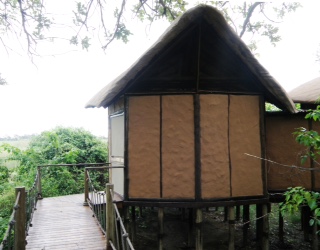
x,y
17,137
27,137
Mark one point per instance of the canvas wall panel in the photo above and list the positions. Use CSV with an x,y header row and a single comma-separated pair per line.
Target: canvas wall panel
x,y
282,148
215,173
244,137
178,156
316,127
144,147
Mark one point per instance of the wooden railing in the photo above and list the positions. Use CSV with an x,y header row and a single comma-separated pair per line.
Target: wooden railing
x,y
21,217
102,204
16,233
24,207
115,225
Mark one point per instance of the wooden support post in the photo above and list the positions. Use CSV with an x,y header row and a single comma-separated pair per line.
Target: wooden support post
x,y
161,228
314,234
231,216
225,219
306,215
199,236
190,227
86,187
259,223
133,222
110,216
237,213
20,218
281,231
183,214
246,223
265,227
39,183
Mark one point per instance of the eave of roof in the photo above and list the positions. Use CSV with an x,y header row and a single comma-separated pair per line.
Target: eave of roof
x,y
115,88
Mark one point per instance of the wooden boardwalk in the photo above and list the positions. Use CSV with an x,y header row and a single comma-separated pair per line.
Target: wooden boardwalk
x,y
64,223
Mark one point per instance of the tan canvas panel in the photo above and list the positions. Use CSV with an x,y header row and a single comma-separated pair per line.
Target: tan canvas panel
x,y
244,137
283,149
178,159
144,147
215,173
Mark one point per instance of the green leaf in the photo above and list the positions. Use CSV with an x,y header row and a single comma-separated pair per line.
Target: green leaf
x,y
312,204
311,222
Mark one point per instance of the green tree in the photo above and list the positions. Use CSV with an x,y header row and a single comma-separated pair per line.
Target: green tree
x,y
58,146
37,21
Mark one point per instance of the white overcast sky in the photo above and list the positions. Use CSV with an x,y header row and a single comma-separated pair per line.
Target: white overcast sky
x,y
54,92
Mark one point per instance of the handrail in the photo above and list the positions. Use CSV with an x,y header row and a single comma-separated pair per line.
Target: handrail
x,y
106,212
15,235
95,199
122,241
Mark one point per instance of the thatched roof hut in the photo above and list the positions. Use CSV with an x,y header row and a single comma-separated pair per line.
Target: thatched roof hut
x,y
226,37
185,117
307,93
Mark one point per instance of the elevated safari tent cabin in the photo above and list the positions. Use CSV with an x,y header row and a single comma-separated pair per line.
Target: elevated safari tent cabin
x,y
187,115
282,147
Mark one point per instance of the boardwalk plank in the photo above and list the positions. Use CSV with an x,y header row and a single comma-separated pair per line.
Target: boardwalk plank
x,y
64,223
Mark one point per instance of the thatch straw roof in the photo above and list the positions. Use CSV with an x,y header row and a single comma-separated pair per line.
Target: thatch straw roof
x,y
273,92
308,92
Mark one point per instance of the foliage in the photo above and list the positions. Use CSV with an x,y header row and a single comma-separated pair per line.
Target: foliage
x,y
271,108
309,138
58,146
37,20
4,175
297,197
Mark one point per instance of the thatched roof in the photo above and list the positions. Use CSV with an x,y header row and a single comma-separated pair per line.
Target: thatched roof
x,y
308,92
273,92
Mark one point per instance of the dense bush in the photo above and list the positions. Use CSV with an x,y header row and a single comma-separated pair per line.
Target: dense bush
x,y
58,146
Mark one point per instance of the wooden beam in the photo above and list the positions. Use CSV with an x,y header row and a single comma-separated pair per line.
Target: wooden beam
x,y
231,228
20,219
110,216
160,228
246,223
199,235
265,229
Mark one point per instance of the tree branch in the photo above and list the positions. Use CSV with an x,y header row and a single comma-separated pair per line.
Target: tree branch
x,y
28,35
116,25
247,20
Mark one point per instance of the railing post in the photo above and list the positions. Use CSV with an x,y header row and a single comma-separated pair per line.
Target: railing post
x,y
39,183
110,216
86,187
20,218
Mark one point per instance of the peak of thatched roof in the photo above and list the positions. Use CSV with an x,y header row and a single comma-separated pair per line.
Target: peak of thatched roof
x,y
308,92
272,91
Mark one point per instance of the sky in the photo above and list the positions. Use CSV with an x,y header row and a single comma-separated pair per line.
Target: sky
x,y
54,90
